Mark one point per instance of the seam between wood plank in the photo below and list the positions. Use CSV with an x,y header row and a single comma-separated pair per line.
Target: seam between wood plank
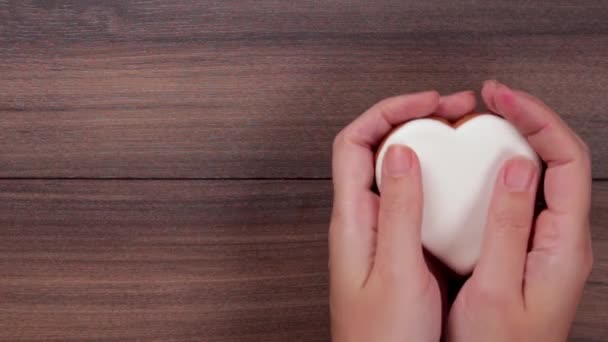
x,y
600,179
167,178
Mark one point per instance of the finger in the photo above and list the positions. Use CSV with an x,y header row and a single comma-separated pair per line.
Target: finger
x,y
399,249
448,281
560,259
353,159
355,212
456,105
487,94
568,177
352,242
508,227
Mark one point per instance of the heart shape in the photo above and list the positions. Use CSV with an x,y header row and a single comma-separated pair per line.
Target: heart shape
x,y
459,165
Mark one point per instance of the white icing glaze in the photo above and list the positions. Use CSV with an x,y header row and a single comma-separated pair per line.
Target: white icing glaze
x,y
459,169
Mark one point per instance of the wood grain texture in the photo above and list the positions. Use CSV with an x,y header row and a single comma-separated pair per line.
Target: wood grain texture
x,y
188,261
115,20
236,89
258,89
163,261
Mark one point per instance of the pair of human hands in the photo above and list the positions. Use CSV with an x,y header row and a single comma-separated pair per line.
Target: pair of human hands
x,y
531,272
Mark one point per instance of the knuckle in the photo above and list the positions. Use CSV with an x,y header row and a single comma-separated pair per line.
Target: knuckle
x,y
509,222
588,265
384,107
578,267
583,145
551,232
584,151
390,273
490,295
580,259
394,202
339,139
587,261
587,162
389,210
403,209
395,278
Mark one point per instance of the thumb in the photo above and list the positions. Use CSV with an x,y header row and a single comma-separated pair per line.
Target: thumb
x,y
398,248
508,226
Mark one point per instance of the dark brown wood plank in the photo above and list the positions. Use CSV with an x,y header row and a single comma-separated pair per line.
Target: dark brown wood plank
x,y
258,89
188,261
85,20
170,261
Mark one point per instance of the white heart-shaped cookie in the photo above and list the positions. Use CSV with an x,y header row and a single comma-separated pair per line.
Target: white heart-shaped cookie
x,y
459,167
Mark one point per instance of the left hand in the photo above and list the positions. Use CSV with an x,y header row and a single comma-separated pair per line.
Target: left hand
x,y
381,288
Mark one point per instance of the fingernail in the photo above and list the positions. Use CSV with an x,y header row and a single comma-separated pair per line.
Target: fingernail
x,y
490,82
519,174
398,161
506,93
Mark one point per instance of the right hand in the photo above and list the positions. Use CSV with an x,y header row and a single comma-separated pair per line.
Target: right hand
x,y
517,294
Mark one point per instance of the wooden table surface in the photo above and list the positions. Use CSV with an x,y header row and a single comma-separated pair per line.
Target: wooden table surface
x,y
165,165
